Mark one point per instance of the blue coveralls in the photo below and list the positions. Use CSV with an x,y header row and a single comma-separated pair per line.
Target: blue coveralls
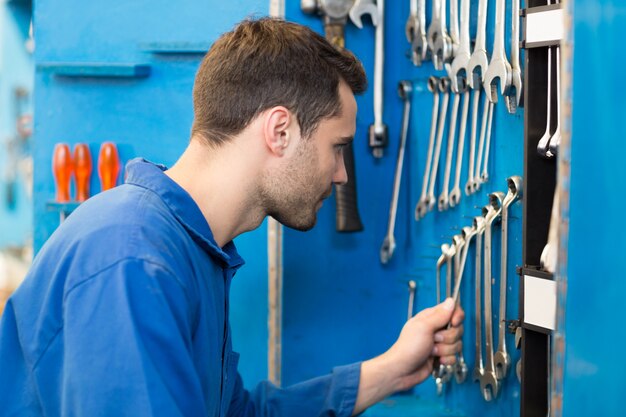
x,y
125,313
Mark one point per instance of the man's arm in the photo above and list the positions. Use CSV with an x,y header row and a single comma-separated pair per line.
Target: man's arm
x,y
410,360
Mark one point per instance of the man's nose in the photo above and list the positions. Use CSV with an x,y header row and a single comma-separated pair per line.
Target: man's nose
x,y
341,175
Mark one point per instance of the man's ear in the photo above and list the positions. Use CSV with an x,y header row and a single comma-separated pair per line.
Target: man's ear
x,y
278,129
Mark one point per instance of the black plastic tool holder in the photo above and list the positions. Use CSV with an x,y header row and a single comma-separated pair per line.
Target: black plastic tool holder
x,y
539,186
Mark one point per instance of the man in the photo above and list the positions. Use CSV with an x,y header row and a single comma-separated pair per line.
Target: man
x,y
125,309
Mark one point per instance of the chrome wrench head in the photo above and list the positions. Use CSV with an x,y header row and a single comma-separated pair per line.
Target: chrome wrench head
x,y
360,9
512,99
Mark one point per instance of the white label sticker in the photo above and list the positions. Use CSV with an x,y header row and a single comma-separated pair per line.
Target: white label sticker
x,y
540,302
544,26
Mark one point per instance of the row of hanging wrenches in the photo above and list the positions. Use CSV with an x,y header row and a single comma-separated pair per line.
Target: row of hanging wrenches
x,y
490,371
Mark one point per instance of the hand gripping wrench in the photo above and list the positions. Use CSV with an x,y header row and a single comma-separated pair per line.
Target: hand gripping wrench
x,y
479,370
499,67
422,206
515,92
478,62
444,88
405,88
437,371
489,384
502,359
416,31
555,140
455,194
378,134
361,8
443,197
437,36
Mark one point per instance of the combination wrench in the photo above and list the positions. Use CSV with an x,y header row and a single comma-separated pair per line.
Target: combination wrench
x,y
555,140
502,360
543,147
447,371
437,36
489,384
499,68
378,131
416,31
515,92
469,185
405,88
443,197
484,129
361,8
422,205
479,369
412,289
444,88
438,369
484,177
455,194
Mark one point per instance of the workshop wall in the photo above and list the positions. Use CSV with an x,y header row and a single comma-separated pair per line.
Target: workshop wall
x,y
340,303
123,72
16,82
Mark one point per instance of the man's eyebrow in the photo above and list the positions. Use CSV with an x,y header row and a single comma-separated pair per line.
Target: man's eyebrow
x,y
346,139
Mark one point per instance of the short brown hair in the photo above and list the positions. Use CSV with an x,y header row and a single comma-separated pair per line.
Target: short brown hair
x,y
269,62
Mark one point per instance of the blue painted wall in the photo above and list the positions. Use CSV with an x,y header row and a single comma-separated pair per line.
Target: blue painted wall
x,y
341,304
149,116
16,70
593,382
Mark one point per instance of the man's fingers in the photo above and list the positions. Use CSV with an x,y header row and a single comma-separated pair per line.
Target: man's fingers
x,y
450,335
443,349
458,316
447,360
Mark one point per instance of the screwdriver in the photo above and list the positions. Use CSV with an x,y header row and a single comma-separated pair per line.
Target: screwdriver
x,y
82,171
62,168
108,165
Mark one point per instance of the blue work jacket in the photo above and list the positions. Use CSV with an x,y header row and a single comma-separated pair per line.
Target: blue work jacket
x,y
125,313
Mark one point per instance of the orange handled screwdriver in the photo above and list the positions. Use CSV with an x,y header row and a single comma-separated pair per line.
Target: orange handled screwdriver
x,y
108,165
82,171
62,167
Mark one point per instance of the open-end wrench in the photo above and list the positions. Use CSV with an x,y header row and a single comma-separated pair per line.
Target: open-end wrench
x,y
437,371
502,360
479,370
422,205
544,141
447,371
442,203
454,26
484,177
457,70
455,194
416,31
499,68
437,35
489,384
361,8
478,62
515,92
555,140
378,132
487,106
405,88
469,185
444,88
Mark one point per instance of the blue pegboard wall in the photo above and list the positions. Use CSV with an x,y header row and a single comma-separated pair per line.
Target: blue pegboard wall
x,y
140,59
341,304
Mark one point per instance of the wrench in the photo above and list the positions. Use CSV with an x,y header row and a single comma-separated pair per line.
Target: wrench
x,y
437,368
405,88
361,8
499,67
444,85
416,31
455,194
555,140
544,142
458,68
443,197
489,384
446,371
515,92
502,359
437,36
454,25
422,206
378,132
469,185
487,106
484,177
478,62
412,289
479,370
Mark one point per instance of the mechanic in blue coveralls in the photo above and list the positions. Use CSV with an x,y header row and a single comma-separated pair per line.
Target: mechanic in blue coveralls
x,y
125,309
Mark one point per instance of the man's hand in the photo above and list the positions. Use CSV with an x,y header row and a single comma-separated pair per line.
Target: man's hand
x,y
410,360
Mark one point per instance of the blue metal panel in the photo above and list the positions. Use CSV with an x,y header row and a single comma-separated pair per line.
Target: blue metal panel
x,y
342,305
149,116
593,377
